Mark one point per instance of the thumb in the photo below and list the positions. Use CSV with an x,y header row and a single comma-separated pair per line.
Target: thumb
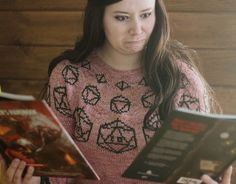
x,y
227,176
207,179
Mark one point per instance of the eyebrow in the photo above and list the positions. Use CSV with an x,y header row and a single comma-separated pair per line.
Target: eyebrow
x,y
123,12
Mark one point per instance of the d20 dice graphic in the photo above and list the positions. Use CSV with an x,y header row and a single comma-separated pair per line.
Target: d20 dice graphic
x,y
70,74
148,99
122,85
117,137
86,64
91,95
60,101
189,102
148,134
143,82
151,125
153,122
83,125
120,104
101,78
184,82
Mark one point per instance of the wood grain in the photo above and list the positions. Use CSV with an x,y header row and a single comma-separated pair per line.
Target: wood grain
x,y
218,66
40,28
198,30
20,62
28,87
70,5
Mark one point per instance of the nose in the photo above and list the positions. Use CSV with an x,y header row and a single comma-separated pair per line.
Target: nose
x,y
136,27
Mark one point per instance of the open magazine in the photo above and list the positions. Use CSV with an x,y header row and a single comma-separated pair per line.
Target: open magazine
x,y
188,145
31,132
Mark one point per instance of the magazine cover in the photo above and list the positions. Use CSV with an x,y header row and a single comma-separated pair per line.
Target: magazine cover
x,y
188,145
31,132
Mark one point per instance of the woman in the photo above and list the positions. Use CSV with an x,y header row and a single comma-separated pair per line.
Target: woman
x,y
117,86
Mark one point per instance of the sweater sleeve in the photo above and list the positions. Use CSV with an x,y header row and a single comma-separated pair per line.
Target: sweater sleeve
x,y
57,98
192,92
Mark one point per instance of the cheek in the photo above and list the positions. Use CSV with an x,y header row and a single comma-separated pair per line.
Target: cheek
x,y
114,33
151,25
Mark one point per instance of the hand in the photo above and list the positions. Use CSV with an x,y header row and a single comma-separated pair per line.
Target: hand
x,y
15,171
226,178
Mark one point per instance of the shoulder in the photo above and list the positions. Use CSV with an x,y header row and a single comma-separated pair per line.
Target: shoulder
x,y
192,92
65,72
190,75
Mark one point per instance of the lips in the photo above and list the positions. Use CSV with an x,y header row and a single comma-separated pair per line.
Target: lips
x,y
136,41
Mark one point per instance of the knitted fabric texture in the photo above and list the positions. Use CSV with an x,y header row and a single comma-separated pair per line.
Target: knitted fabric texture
x,y
103,110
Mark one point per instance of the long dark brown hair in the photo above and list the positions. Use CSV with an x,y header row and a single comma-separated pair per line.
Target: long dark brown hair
x,y
158,58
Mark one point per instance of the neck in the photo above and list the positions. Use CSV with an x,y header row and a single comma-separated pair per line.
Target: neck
x,y
118,60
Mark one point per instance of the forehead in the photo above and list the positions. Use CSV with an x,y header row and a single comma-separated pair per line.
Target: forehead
x,y
131,5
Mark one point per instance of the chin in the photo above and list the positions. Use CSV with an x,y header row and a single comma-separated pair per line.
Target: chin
x,y
132,50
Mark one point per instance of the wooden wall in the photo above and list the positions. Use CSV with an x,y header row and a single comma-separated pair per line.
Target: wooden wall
x,y
32,33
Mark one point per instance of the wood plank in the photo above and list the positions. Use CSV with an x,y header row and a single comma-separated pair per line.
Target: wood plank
x,y
26,62
28,87
40,28
201,5
227,99
62,28
225,96
71,5
218,66
205,30
43,5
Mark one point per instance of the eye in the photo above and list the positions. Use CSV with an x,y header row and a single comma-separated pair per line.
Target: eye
x,y
121,18
146,15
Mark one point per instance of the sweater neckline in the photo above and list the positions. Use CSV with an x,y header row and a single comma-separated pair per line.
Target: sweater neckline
x,y
102,64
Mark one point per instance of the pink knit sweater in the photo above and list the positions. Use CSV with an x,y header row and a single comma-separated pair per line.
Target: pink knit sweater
x,y
103,110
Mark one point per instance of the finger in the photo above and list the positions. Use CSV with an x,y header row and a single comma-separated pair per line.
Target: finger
x,y
12,169
208,180
29,174
227,176
19,171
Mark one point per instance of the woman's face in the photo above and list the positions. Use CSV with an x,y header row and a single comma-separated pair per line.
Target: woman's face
x,y
128,25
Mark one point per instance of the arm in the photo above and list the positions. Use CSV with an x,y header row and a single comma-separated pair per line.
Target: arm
x,y
192,93
57,98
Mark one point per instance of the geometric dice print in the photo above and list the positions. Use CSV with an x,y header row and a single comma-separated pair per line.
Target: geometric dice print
x,y
86,64
120,104
148,134
143,82
101,78
122,85
83,125
152,124
91,95
70,74
116,137
60,101
147,99
184,82
189,102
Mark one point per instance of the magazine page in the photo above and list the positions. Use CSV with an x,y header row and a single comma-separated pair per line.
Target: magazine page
x,y
31,132
188,145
